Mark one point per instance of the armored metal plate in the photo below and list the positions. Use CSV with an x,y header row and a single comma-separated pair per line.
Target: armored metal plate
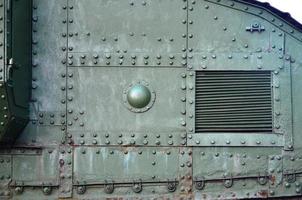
x,y
126,165
36,170
97,114
88,138
232,173
127,28
48,75
218,164
225,33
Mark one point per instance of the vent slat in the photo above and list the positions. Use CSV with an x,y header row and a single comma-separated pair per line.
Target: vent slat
x,y
206,107
233,101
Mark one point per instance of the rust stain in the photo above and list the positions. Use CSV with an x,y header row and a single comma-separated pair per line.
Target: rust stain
x,y
263,193
61,162
273,180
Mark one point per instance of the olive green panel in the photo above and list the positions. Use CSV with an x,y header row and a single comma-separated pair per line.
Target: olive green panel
x,y
99,112
137,32
48,104
123,167
230,173
126,164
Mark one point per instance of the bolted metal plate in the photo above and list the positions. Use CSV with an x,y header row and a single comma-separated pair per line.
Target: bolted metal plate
x,y
48,98
125,165
238,173
107,121
140,31
24,168
84,141
225,33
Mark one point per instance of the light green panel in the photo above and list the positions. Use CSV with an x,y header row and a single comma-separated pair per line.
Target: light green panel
x,y
230,173
217,163
215,29
36,169
132,28
293,50
96,110
122,165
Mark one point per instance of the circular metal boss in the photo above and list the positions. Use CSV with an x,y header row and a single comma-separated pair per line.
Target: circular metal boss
x,y
139,97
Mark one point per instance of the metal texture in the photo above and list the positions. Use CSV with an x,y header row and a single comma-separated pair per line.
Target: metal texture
x,y
233,101
149,99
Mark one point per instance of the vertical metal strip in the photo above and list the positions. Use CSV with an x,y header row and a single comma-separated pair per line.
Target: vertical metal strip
x,y
66,151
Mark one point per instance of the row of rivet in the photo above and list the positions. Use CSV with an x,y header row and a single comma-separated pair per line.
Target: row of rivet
x,y
131,34
265,15
133,60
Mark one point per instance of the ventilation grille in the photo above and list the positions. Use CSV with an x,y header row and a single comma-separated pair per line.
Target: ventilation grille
x,y
233,101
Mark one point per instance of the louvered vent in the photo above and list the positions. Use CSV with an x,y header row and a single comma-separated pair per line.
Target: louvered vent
x,y
233,101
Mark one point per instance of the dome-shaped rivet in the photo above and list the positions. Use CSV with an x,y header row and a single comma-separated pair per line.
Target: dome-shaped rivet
x,y
139,96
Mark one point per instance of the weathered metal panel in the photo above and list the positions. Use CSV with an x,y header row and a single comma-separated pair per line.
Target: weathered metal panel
x,y
90,138
48,99
120,169
35,169
232,173
108,121
127,32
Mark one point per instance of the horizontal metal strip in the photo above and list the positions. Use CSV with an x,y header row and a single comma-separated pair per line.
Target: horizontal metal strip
x,y
234,126
233,97
232,117
237,109
206,107
246,120
227,113
245,100
202,82
206,79
242,130
229,123
233,129
232,75
241,103
232,88
226,86
236,86
235,72
234,93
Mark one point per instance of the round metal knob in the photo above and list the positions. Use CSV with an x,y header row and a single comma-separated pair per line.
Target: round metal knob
x,y
139,96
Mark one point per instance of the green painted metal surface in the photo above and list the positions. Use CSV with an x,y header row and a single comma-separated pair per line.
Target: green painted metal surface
x,y
112,95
